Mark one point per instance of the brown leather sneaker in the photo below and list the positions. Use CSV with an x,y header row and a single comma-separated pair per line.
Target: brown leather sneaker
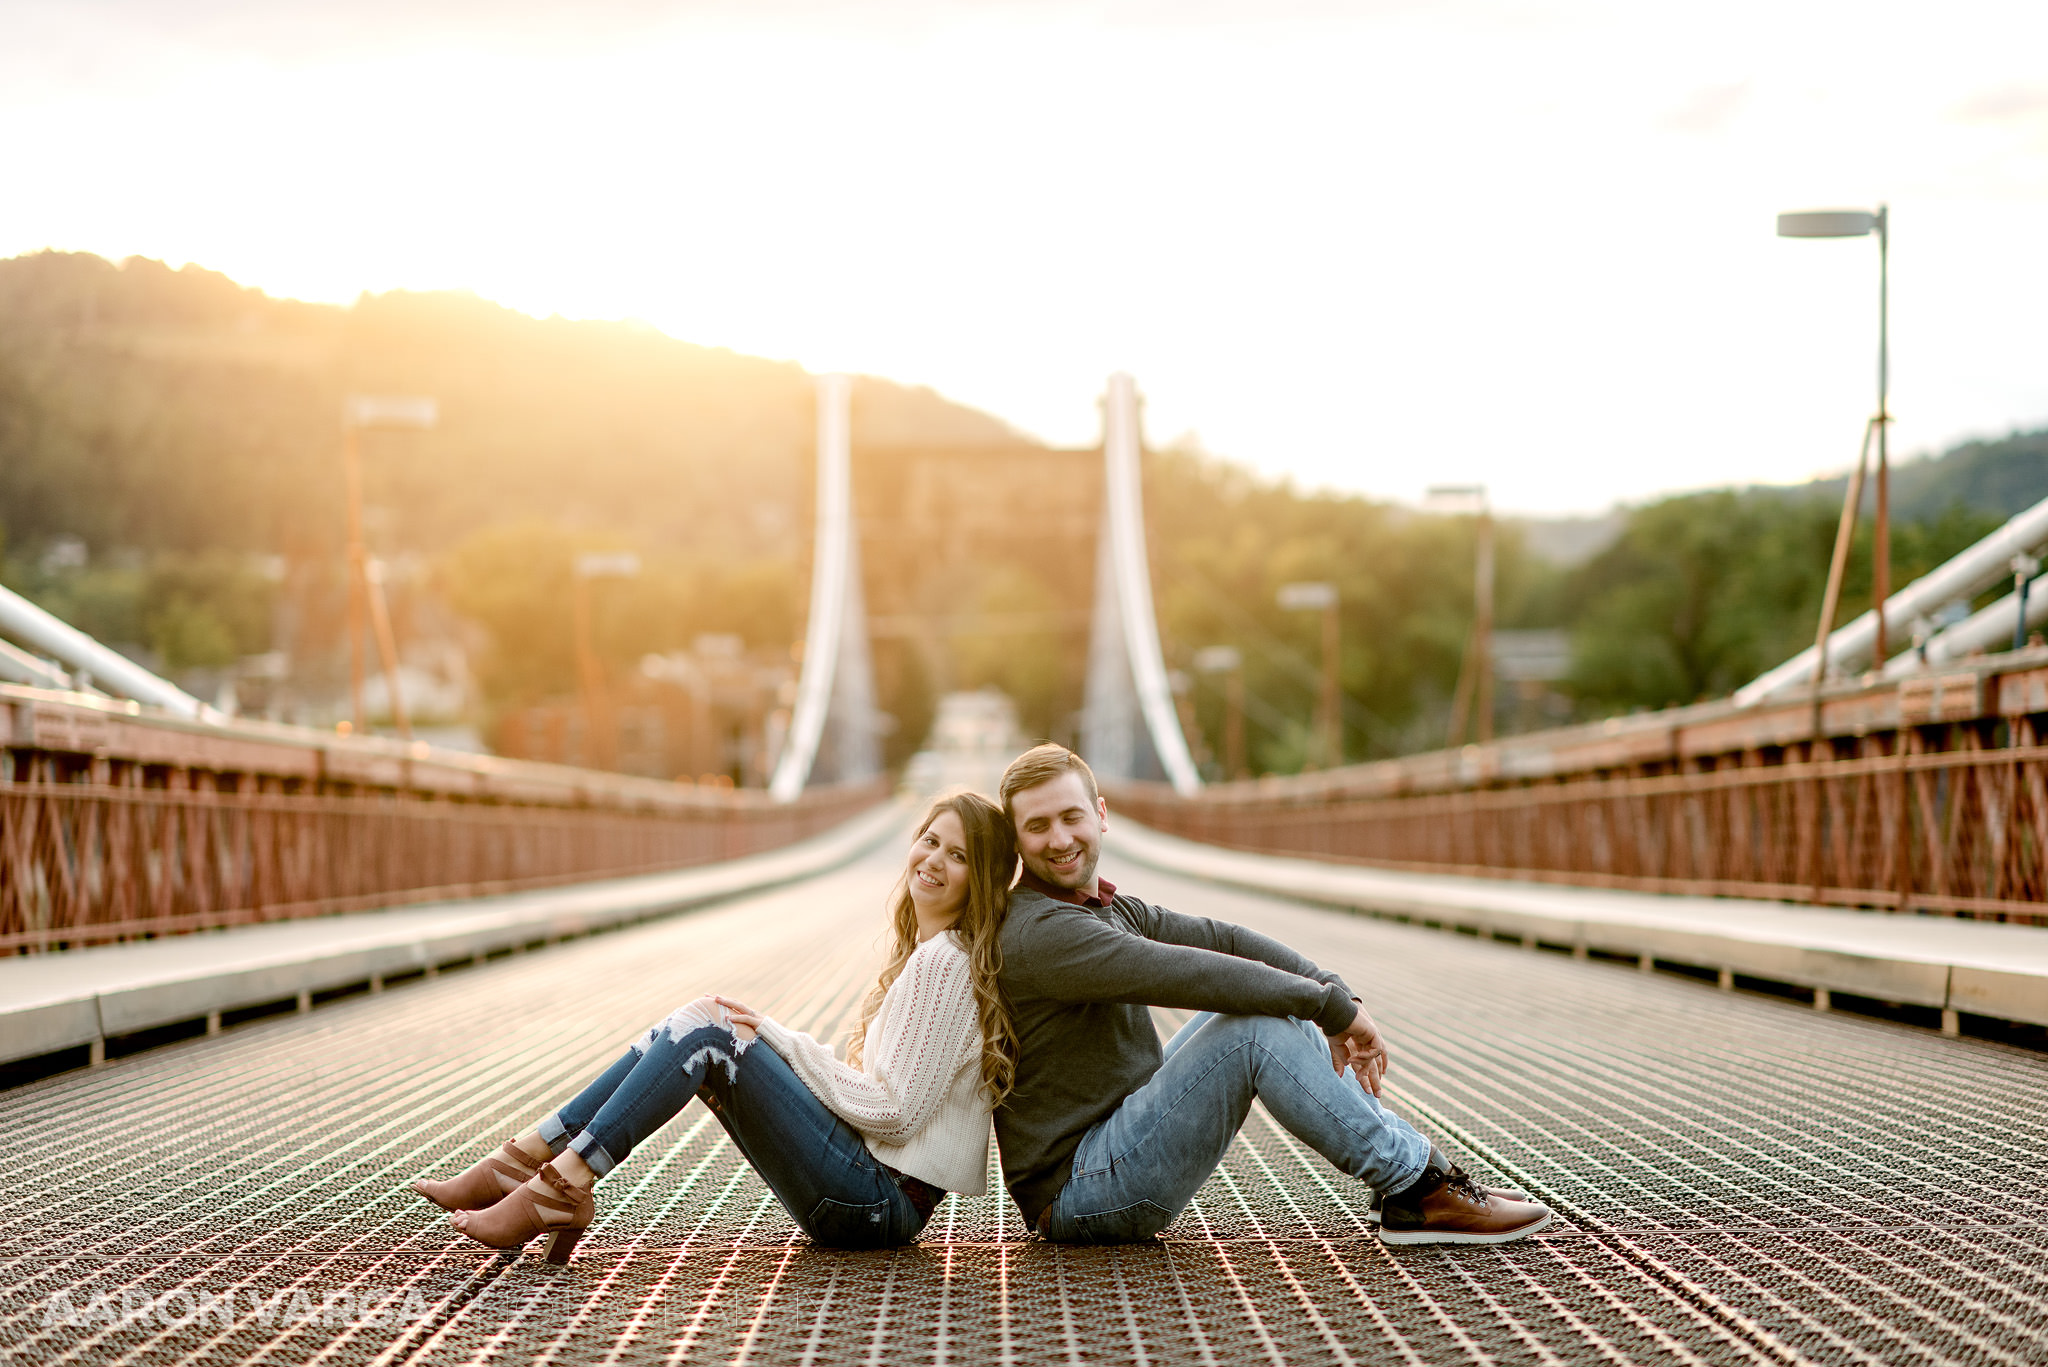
x,y
1445,1206
1372,1212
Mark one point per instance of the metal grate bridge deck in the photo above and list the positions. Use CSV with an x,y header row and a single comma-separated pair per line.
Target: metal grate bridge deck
x,y
1741,1180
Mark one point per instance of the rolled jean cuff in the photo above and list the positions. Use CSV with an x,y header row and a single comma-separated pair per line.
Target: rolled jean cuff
x,y
593,1154
1396,1188
554,1133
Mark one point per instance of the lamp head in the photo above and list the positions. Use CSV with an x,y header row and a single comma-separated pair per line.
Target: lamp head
x,y
1828,223
607,565
1308,597
387,410
1455,498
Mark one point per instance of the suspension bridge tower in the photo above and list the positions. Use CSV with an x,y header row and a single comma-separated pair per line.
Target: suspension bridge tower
x,y
1130,728
832,728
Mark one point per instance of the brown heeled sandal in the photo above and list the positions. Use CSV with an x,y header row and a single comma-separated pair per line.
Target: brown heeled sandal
x,y
479,1187
522,1215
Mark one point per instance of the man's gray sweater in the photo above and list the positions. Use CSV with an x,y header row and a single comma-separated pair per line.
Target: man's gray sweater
x,y
1078,980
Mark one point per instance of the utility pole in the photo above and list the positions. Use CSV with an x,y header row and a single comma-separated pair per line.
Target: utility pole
x,y
1234,761
1226,660
358,575
1864,223
1327,751
1473,698
387,642
365,585
599,725
1482,625
1881,534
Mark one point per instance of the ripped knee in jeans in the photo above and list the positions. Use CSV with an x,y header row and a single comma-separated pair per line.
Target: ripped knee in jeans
x,y
703,1013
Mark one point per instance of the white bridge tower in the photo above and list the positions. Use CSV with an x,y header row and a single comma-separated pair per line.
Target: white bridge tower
x,y
832,727
1129,726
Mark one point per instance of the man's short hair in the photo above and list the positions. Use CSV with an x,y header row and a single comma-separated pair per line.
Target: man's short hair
x,y
1044,764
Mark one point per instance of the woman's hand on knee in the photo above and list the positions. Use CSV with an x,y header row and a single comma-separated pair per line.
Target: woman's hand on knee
x,y
746,1022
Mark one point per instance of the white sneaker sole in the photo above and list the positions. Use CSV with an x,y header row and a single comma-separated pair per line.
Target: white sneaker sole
x,y
1458,1236
1372,1214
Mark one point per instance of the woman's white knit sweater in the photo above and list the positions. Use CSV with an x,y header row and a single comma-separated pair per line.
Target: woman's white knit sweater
x,y
917,1096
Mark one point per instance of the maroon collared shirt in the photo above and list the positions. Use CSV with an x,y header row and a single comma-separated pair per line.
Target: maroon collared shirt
x,y
1073,897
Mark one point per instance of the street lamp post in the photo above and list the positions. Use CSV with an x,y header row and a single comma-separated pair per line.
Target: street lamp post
x,y
1226,660
1863,223
387,642
1312,597
365,581
597,713
1474,694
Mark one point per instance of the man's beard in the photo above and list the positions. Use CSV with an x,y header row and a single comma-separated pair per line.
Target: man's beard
x,y
1080,876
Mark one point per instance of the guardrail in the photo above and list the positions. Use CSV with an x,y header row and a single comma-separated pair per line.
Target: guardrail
x,y
116,823
1935,800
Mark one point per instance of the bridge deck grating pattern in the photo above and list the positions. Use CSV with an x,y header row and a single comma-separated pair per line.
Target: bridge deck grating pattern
x,y
1740,1180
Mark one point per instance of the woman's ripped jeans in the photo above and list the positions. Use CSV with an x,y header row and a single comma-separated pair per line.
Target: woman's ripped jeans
x,y
817,1165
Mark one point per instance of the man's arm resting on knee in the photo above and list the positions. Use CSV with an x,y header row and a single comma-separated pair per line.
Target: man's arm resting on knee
x,y
1071,956
1201,932
1358,1045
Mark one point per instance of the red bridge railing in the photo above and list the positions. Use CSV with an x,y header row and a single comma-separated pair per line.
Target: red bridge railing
x,y
1929,795
115,824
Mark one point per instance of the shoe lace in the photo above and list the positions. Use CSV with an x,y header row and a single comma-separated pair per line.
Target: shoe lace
x,y
1465,1185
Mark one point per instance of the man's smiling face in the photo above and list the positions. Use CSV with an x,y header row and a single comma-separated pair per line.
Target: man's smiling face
x,y
1059,831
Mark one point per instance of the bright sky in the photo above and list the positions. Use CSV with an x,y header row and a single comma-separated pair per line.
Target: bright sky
x,y
1374,245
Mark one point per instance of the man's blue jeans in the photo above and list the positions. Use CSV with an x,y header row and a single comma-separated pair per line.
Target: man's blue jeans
x,y
817,1165
1137,1167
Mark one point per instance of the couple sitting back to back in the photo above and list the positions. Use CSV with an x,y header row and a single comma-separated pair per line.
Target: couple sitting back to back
x,y
1029,1002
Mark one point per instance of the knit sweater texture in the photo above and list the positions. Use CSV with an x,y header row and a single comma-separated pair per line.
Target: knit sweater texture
x,y
1078,980
917,1097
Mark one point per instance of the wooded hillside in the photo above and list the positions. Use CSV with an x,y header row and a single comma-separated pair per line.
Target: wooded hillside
x,y
154,409
170,482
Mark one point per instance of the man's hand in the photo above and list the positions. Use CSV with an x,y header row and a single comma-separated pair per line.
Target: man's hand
x,y
1360,1048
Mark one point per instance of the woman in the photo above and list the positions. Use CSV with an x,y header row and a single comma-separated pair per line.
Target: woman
x,y
858,1152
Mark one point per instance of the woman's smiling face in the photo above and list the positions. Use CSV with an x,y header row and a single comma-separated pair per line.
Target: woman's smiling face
x,y
938,870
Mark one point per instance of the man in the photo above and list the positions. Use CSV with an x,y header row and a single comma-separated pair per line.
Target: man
x,y
1105,1137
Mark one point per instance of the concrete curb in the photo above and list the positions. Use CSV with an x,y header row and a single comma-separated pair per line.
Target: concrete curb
x,y
1955,966
53,1002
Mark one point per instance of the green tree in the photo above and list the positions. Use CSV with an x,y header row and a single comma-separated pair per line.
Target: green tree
x,y
1017,650
206,609
199,610
1223,542
517,582
1703,592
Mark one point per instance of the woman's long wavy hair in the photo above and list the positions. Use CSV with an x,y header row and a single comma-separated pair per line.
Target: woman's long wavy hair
x,y
991,863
